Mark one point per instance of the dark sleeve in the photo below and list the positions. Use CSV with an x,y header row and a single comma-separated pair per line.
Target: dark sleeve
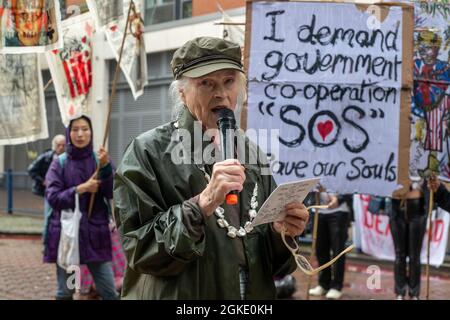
x,y
58,195
106,175
35,169
283,262
442,196
156,239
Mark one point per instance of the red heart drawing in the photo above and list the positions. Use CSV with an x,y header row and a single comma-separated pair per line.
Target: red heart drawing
x,y
325,128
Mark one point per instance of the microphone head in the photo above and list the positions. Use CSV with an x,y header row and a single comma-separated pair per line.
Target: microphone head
x,y
225,115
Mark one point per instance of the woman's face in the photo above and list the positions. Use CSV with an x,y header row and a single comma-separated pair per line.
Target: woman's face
x,y
204,96
80,133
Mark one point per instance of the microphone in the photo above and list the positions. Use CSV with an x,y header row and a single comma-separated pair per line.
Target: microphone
x,y
226,124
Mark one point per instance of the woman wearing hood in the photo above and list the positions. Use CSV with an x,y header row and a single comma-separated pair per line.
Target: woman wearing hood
x,y
75,174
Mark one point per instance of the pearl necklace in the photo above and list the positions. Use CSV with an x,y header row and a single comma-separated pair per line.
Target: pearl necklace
x,y
232,231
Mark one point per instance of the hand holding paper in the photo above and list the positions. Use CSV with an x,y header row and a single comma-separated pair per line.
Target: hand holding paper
x,y
294,222
275,209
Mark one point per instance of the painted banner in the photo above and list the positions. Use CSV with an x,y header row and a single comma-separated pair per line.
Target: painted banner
x,y
71,69
134,59
30,26
430,124
72,8
332,86
375,235
22,104
106,11
232,32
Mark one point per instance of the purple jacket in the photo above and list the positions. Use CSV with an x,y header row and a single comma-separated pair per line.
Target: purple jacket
x,y
94,236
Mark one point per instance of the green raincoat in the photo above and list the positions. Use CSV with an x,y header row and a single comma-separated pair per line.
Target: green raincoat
x,y
173,252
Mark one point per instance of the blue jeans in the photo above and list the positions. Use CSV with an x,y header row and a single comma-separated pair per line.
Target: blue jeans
x,y
102,273
47,213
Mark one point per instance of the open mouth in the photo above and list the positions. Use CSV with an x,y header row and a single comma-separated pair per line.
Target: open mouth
x,y
216,109
29,35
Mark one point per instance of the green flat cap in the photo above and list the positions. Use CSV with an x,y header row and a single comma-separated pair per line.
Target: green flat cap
x,y
204,55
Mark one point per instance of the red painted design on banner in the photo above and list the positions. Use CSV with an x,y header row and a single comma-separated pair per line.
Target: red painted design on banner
x,y
76,74
68,78
325,128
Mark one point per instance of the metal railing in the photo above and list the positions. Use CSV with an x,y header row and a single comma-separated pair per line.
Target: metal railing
x,y
13,185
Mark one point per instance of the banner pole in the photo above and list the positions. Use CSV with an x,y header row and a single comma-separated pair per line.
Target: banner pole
x,y
314,238
430,234
113,93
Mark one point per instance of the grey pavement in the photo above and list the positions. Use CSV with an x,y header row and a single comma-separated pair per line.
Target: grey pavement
x,y
23,275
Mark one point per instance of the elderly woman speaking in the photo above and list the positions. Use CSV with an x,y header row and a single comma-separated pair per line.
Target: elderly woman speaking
x,y
181,238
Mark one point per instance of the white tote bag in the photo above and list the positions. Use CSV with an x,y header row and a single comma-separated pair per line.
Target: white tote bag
x,y
68,249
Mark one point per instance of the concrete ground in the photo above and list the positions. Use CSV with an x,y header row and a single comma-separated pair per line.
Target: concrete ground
x,y
23,276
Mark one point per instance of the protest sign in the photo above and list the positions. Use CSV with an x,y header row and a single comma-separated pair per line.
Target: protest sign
x,y
72,8
430,115
30,26
22,104
338,90
71,69
112,20
374,236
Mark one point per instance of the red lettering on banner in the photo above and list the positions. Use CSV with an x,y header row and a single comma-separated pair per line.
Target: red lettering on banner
x,y
388,228
438,227
380,228
377,225
368,216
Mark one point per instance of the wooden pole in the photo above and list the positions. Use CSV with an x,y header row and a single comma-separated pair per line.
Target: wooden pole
x,y
111,98
314,238
230,23
48,84
430,234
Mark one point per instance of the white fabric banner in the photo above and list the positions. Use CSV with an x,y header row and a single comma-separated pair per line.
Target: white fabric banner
x,y
106,11
375,236
331,84
28,26
430,113
22,104
134,59
231,32
72,8
71,68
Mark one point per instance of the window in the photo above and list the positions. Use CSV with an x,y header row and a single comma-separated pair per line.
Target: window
x,y
186,9
158,11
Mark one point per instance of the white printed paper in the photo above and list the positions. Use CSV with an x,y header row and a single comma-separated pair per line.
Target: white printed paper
x,y
273,208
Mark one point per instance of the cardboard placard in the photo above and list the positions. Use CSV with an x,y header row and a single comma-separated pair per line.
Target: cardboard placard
x,y
403,90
